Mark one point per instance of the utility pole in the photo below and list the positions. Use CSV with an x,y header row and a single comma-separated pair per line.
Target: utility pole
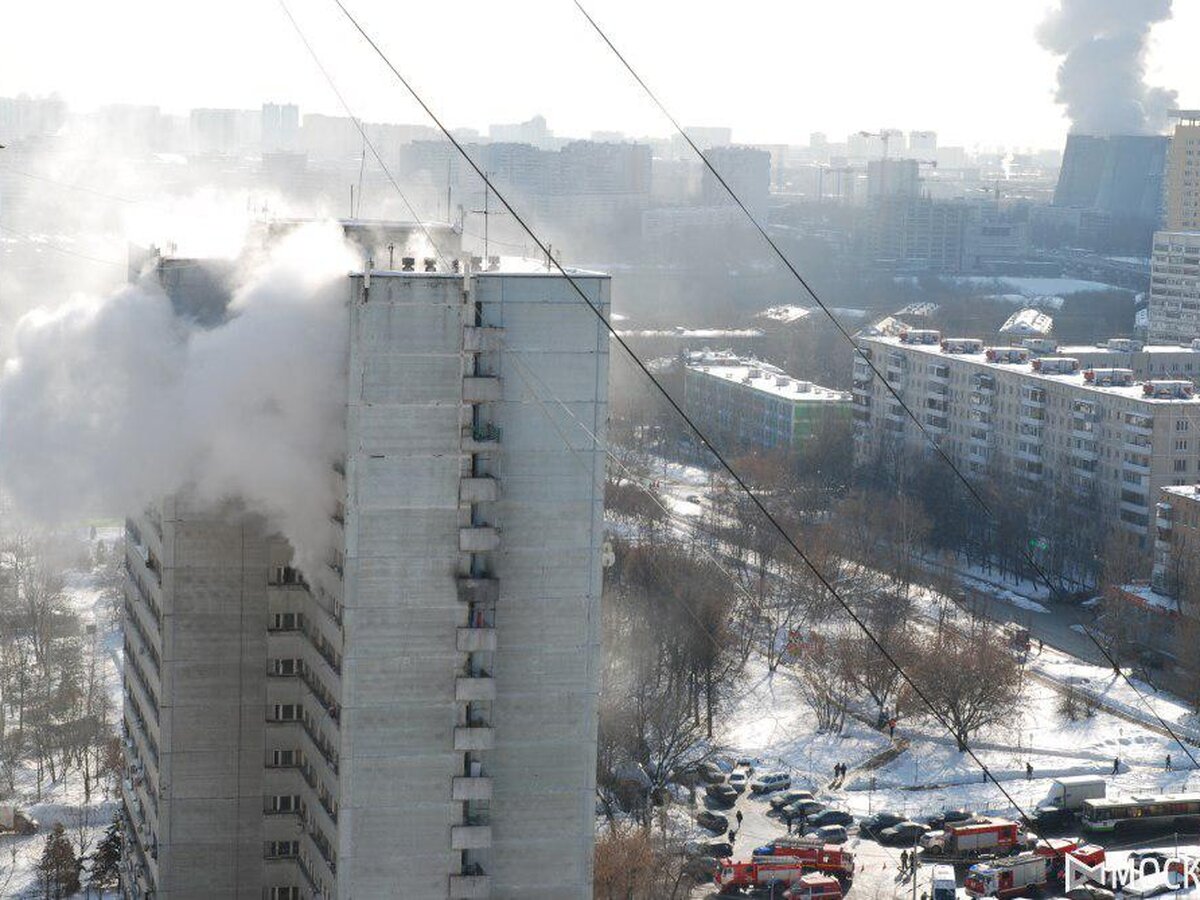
x,y
487,213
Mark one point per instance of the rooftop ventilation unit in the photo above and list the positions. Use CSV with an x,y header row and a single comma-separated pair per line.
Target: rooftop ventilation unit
x,y
1168,390
1109,377
408,264
1056,365
962,345
920,336
1008,355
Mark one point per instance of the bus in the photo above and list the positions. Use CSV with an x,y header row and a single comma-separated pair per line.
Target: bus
x,y
1181,811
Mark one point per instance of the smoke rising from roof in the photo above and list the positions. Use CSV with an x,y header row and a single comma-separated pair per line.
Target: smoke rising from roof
x,y
1101,80
110,402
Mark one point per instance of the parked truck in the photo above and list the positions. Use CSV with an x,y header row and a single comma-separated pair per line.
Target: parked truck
x,y
1011,877
980,836
814,855
1066,796
1056,851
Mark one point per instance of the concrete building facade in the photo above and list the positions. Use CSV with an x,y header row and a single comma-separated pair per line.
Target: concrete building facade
x,y
416,718
752,404
1175,258
1045,420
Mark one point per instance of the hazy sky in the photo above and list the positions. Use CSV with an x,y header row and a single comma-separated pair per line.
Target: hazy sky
x,y
773,70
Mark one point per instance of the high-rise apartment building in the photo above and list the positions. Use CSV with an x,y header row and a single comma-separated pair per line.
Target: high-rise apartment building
x,y
1175,258
1047,421
416,718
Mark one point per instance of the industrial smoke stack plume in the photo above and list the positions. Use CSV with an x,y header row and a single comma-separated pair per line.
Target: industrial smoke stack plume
x,y
1101,79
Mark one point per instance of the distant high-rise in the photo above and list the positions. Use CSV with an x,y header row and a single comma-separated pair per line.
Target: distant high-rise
x,y
893,178
1175,259
923,144
280,127
747,170
535,132
418,717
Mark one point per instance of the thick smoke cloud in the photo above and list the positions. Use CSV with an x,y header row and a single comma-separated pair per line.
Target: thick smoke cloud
x,y
1101,79
110,402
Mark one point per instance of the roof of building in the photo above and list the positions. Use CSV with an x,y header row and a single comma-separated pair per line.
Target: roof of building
x,y
761,376
1133,391
1028,322
1183,491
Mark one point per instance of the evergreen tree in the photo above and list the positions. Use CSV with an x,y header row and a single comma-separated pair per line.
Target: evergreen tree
x,y
106,860
58,866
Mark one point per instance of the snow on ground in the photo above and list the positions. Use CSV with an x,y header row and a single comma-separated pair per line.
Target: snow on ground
x,y
63,800
767,718
1039,287
786,313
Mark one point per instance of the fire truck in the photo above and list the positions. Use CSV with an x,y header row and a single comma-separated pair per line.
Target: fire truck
x,y
815,855
980,836
1056,851
1008,877
815,886
761,871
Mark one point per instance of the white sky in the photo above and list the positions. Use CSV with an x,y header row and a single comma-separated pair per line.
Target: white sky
x,y
773,70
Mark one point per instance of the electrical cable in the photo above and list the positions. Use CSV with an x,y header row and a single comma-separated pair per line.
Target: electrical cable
x,y
362,131
30,239
930,439
754,498
65,185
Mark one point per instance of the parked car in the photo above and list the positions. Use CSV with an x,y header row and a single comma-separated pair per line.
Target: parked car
x,y
749,763
902,833
711,773
772,781
738,781
830,817
780,800
718,849
872,825
706,818
830,834
941,820
803,808
722,793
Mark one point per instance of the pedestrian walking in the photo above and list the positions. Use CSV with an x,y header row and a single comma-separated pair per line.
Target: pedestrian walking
x,y
787,817
739,818
1028,771
891,728
1168,762
1116,764
903,862
732,835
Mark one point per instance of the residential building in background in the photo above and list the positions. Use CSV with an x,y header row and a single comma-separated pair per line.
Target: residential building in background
x,y
1174,309
750,404
747,170
1183,173
416,717
1034,414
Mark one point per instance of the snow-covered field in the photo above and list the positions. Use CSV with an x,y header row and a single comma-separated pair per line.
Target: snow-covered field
x,y
63,800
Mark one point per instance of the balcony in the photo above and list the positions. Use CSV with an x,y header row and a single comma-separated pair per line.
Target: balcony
x,y
470,837
464,788
478,539
468,688
478,590
1134,466
474,737
478,490
481,389
475,640
1143,425
482,339
470,887
481,439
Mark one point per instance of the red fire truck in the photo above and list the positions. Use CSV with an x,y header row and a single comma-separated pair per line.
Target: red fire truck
x,y
816,855
981,836
761,871
1056,851
1008,877
815,886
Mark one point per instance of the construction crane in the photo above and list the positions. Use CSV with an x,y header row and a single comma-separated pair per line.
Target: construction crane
x,y
885,136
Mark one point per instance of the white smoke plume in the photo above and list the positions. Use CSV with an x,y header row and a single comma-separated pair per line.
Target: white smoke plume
x,y
1102,77
110,402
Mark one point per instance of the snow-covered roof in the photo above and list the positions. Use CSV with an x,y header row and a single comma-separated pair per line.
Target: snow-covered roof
x,y
761,376
785,313
1028,322
1132,391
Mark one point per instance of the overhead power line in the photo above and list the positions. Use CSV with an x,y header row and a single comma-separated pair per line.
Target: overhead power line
x,y
717,455
930,439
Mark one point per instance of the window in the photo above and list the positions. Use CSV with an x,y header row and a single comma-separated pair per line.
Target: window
x,y
1181,443
282,758
1181,424
284,666
1181,465
286,712
283,803
278,849
283,622
288,892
